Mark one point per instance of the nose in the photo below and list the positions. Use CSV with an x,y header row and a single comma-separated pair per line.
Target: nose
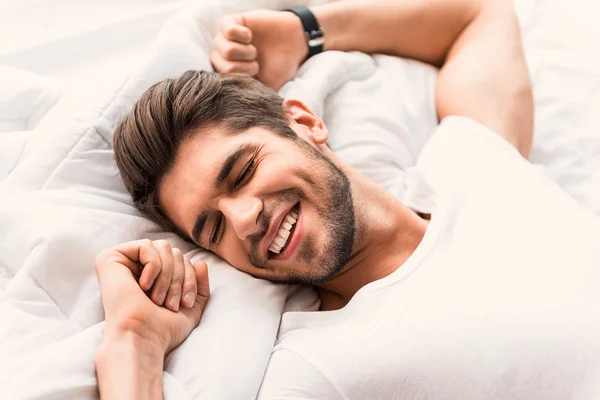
x,y
242,213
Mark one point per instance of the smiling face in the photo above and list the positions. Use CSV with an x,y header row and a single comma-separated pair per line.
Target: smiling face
x,y
229,163
272,206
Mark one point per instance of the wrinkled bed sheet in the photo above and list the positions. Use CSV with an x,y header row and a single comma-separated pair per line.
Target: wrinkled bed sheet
x,y
62,200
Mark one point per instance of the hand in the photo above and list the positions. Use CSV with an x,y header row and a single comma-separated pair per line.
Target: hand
x,y
163,271
269,45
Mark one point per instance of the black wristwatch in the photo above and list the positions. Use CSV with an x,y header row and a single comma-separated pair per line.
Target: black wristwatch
x,y
312,31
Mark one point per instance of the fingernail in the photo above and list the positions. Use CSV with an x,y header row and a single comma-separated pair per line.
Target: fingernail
x,y
189,299
175,302
161,296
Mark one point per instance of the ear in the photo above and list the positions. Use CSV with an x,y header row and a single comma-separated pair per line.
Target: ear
x,y
308,124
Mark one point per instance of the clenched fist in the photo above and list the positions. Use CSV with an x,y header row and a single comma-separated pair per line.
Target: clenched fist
x,y
269,45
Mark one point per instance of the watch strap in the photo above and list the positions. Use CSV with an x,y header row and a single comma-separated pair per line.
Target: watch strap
x,y
313,32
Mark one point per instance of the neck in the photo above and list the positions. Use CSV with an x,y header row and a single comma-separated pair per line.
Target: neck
x,y
387,233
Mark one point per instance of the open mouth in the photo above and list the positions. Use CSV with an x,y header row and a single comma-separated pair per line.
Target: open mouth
x,y
284,232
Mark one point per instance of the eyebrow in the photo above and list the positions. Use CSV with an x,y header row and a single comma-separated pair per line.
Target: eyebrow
x,y
230,162
226,169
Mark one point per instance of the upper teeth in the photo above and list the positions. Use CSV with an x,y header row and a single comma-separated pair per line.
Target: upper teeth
x,y
283,233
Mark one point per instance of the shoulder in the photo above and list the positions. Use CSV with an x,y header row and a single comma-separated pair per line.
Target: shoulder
x,y
463,152
463,140
291,376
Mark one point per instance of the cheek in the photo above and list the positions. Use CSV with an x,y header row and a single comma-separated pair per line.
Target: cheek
x,y
313,222
281,171
232,251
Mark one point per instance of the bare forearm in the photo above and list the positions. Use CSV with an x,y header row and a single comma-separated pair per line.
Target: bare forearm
x,y
421,29
129,368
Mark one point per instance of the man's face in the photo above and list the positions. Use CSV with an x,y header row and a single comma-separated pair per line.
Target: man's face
x,y
271,206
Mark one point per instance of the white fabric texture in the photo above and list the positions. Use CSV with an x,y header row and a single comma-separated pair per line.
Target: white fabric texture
x,y
500,300
561,48
50,47
24,99
64,201
73,40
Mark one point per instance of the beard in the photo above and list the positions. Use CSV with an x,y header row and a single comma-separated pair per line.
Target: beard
x,y
335,209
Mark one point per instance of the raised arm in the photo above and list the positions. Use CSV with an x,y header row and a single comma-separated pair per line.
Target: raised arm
x,y
476,43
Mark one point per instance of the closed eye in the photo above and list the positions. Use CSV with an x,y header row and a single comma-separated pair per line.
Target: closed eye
x,y
246,173
217,230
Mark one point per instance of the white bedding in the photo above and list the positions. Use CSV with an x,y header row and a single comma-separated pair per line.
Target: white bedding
x,y
64,201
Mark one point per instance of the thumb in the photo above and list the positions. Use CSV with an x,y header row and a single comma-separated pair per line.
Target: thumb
x,y
201,271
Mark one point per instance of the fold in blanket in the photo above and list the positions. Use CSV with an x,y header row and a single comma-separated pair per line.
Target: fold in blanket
x,y
64,201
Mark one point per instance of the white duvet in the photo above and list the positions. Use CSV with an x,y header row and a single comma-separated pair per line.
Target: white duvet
x,y
63,201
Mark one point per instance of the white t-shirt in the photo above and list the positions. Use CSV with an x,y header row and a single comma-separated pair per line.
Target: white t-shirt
x,y
500,300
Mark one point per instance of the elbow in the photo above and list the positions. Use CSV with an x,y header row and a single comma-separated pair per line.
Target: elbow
x,y
522,118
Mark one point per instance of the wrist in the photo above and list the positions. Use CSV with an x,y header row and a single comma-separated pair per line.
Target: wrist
x,y
297,43
128,366
129,344
134,333
313,32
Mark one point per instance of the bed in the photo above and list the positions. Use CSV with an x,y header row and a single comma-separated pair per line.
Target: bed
x,y
62,200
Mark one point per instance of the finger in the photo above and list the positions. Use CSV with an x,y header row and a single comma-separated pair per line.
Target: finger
x,y
203,292
233,29
163,281
202,282
228,67
150,260
189,285
131,256
114,272
233,51
174,294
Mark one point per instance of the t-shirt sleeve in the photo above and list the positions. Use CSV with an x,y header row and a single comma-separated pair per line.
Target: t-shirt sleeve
x,y
463,154
290,376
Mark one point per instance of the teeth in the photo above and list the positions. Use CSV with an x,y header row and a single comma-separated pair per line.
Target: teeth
x,y
274,250
284,232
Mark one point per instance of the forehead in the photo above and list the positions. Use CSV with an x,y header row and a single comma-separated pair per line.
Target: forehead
x,y
188,187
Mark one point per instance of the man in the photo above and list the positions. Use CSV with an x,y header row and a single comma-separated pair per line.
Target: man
x,y
495,296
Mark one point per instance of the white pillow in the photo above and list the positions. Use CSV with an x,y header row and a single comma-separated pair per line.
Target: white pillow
x,y
561,46
12,145
25,98
380,110
65,201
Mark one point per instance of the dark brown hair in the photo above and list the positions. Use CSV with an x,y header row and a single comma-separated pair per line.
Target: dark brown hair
x,y
146,141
